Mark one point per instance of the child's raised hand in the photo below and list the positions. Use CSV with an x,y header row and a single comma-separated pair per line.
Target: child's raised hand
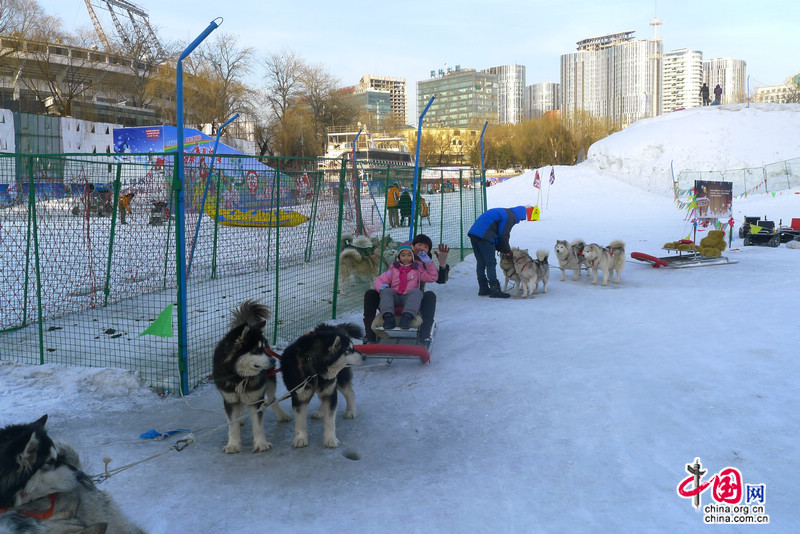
x,y
423,257
442,253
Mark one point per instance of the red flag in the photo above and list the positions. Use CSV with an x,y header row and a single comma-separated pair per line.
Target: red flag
x,y
552,175
537,182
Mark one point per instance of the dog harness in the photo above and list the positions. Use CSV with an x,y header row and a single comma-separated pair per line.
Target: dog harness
x,y
38,515
275,370
532,260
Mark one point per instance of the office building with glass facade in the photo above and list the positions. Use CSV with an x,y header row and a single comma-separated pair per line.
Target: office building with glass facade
x,y
541,98
395,88
465,98
510,93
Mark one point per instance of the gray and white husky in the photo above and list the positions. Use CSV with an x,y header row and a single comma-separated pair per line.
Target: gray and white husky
x,y
244,372
607,259
570,256
45,491
507,266
530,271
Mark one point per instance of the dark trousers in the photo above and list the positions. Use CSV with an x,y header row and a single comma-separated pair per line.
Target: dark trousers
x,y
427,309
486,261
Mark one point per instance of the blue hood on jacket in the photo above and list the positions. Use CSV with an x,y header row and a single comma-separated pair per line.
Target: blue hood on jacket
x,y
520,212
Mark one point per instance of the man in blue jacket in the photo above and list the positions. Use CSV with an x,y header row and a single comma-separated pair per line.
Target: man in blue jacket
x,y
491,233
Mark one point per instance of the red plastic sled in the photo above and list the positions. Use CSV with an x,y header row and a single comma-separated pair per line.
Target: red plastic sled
x,y
655,262
392,351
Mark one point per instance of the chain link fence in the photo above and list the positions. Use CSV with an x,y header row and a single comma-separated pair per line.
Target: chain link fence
x,y
772,177
88,256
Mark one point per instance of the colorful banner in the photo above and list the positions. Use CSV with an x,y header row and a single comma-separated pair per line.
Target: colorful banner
x,y
246,184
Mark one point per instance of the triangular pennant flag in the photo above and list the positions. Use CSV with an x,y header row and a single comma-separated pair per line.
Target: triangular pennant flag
x,y
162,326
537,182
688,236
754,229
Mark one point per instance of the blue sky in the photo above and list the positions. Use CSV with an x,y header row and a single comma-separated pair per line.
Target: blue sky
x,y
409,39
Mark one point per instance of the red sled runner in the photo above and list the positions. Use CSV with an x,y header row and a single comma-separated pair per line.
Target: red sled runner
x,y
397,343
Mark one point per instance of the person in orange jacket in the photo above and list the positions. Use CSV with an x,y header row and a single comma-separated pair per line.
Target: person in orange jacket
x,y
392,204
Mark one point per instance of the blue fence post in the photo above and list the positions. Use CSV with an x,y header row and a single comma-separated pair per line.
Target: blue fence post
x,y
180,216
413,219
357,189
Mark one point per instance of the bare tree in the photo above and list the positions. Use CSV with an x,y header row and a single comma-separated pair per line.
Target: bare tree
x,y
61,66
434,148
141,61
318,87
284,85
224,66
19,19
793,95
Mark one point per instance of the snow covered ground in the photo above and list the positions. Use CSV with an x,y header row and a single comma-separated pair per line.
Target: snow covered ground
x,y
571,411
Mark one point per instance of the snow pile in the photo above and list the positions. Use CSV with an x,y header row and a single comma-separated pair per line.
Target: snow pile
x,y
711,138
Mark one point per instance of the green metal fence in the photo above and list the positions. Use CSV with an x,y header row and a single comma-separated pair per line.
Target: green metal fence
x,y
82,278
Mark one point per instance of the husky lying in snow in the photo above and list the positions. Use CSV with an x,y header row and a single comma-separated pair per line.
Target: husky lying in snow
x,y
43,489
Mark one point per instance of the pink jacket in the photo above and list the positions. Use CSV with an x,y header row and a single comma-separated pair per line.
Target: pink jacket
x,y
419,272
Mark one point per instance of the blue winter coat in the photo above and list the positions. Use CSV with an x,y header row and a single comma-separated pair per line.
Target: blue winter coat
x,y
494,225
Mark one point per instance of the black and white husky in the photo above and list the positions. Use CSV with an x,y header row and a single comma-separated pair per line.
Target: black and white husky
x,y
244,371
45,491
323,358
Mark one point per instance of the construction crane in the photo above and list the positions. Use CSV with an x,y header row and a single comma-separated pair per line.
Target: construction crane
x,y
139,22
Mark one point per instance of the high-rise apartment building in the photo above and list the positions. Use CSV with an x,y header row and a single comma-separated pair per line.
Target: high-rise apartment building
x,y
395,87
377,105
465,98
730,74
510,93
683,77
541,98
613,76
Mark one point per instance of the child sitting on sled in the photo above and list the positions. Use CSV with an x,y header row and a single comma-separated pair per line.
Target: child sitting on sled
x,y
400,286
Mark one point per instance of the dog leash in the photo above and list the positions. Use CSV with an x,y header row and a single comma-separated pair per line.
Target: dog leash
x,y
182,444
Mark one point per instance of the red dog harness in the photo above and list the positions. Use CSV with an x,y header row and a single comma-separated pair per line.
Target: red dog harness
x,y
38,515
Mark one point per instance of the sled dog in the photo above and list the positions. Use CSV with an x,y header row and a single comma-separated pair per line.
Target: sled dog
x,y
318,362
357,261
45,490
507,266
607,259
570,256
531,271
244,371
